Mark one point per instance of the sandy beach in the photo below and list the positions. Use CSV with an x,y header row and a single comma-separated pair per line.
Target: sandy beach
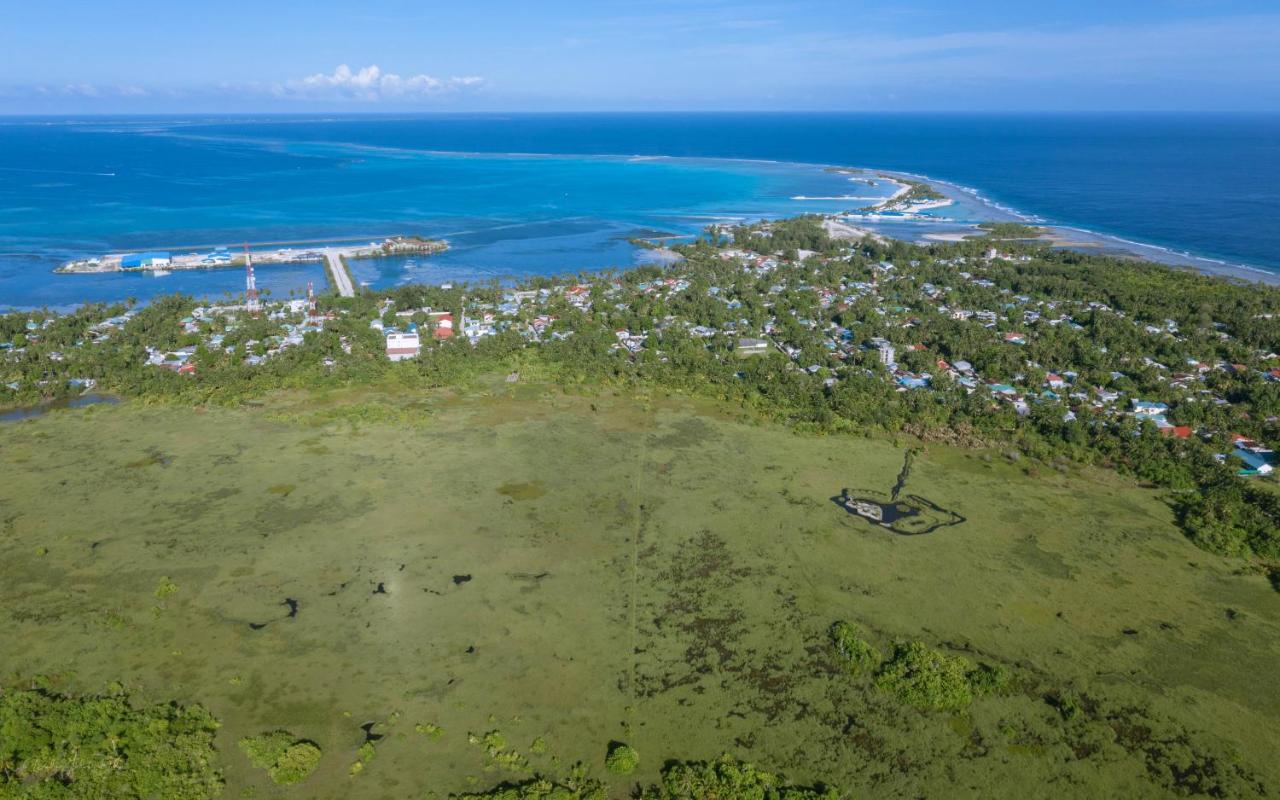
x,y
838,229
972,207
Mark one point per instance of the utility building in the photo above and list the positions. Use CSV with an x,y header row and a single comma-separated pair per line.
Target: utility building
x,y
153,259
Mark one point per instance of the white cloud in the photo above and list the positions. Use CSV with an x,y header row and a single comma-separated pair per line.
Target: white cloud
x,y
371,84
81,90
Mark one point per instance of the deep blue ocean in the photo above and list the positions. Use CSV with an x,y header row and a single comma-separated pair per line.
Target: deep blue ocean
x,y
519,194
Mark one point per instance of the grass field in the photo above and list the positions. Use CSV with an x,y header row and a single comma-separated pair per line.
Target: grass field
x,y
581,570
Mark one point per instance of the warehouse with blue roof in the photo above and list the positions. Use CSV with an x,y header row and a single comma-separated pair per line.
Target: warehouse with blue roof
x,y
151,259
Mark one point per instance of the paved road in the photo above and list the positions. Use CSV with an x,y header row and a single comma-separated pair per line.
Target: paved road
x,y
341,278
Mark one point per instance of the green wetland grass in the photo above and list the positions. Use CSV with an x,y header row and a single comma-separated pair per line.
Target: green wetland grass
x,y
520,578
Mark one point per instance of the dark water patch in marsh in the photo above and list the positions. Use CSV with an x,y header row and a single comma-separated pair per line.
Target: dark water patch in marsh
x,y
686,433
289,602
1049,564
198,508
458,580
382,588
902,475
531,490
695,617
268,520
912,515
533,579
32,412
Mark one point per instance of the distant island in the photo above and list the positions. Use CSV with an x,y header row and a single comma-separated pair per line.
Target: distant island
x,y
913,197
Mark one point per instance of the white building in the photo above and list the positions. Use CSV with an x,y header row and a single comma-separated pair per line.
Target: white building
x,y
403,345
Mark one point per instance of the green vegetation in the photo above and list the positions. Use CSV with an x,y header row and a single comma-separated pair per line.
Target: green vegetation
x,y
917,675
713,525
917,191
165,588
727,778
497,754
989,679
1010,230
286,758
642,495
621,759
1218,323
577,786
1067,702
857,654
364,755
722,779
926,678
64,746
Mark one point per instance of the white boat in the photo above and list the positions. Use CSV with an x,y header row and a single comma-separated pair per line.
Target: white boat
x,y
160,273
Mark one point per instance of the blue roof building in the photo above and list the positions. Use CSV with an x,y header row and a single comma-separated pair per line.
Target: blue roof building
x,y
1254,463
149,259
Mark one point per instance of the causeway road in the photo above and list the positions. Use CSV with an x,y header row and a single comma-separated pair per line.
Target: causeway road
x,y
338,271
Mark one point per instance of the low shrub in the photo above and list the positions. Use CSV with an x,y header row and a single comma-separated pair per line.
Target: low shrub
x,y
621,759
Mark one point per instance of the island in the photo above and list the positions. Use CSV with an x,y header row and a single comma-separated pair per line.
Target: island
x,y
575,536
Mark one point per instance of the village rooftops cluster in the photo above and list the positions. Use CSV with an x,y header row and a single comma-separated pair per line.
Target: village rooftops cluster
x,y
833,316
891,304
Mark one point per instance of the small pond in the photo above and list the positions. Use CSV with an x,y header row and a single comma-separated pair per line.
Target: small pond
x,y
31,412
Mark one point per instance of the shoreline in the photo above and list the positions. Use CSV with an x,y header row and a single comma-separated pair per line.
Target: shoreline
x,y
1175,258
958,195
1207,264
1086,240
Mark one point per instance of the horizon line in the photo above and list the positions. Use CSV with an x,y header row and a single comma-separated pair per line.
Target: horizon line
x,y
653,112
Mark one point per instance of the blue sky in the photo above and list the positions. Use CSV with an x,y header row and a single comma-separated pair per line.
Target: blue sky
x,y
65,56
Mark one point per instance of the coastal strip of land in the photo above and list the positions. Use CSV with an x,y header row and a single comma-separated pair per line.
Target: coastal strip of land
x,y
220,257
338,272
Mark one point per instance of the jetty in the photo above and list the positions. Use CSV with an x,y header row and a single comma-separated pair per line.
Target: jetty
x,y
334,257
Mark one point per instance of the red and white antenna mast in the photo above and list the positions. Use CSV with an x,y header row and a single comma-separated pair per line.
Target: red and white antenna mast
x,y
250,285
311,300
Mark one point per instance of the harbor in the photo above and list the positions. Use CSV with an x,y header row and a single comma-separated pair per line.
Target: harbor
x,y
332,254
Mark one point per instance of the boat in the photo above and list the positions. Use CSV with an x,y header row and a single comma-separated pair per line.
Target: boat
x,y
160,273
